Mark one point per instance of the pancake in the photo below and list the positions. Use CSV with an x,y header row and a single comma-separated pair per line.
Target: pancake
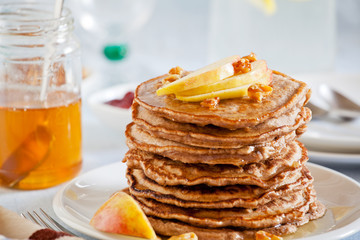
x,y
231,113
241,195
279,211
137,138
168,227
215,137
223,172
266,174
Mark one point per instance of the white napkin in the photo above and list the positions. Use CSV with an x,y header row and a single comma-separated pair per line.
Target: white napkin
x,y
14,226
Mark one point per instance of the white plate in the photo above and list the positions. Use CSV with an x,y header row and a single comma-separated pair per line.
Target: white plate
x,y
336,137
78,200
333,136
114,117
334,158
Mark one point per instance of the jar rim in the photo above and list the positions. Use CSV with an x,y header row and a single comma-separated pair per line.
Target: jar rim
x,y
32,14
65,14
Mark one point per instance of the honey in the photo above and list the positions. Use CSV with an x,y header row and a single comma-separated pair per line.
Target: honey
x,y
40,92
40,146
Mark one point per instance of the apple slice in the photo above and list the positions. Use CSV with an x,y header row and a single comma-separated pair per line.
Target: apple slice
x,y
259,68
228,93
185,236
203,76
121,214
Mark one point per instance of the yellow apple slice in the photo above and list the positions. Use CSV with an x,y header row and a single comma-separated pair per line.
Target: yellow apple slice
x,y
121,214
185,236
206,75
259,68
241,91
222,94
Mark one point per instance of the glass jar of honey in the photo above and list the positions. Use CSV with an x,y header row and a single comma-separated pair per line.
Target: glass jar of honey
x,y
40,102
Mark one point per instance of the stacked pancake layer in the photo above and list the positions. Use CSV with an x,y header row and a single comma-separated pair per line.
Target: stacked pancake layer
x,y
225,173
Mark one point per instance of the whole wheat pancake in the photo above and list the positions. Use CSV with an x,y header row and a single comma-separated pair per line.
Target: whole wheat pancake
x,y
266,174
279,211
231,113
140,139
216,137
173,227
141,186
224,172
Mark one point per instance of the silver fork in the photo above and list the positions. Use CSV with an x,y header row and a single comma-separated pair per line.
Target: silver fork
x,y
48,223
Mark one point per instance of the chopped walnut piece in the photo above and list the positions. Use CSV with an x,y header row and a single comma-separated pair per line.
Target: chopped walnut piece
x,y
185,236
175,73
176,70
251,57
244,64
171,78
211,103
258,91
262,235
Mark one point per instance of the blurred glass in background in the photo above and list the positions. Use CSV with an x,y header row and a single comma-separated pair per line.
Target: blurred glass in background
x,y
294,36
106,29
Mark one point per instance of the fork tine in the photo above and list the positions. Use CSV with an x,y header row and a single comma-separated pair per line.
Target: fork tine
x,y
50,223
32,218
55,223
43,222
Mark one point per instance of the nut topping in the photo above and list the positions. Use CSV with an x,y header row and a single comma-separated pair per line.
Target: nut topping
x,y
171,78
176,70
210,103
258,91
175,73
244,64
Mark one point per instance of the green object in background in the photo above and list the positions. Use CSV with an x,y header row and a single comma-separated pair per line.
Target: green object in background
x,y
115,52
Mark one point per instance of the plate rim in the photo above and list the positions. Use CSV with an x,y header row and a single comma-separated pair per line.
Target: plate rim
x,y
321,157
316,79
340,233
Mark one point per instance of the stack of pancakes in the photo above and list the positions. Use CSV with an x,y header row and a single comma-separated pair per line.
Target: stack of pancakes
x,y
222,173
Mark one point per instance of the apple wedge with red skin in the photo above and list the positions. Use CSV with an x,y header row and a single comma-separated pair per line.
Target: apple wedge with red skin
x,y
121,214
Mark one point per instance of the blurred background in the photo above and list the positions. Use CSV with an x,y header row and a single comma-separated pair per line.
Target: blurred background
x,y
131,41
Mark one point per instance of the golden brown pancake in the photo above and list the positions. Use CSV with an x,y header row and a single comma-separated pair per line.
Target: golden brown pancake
x,y
231,113
139,139
281,210
215,137
199,195
168,227
266,174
